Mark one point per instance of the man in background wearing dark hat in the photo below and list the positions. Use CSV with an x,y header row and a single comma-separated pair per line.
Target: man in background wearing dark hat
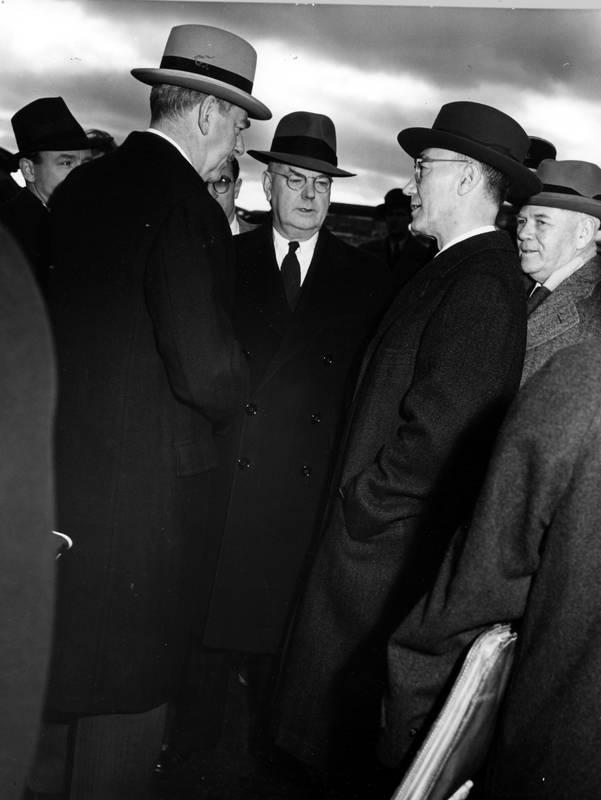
x,y
51,143
404,252
435,383
148,365
557,231
304,305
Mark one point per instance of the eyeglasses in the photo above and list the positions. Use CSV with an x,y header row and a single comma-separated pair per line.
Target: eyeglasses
x,y
297,182
222,185
418,164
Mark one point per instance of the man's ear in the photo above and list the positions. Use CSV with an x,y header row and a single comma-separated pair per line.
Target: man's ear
x,y
471,177
267,185
237,186
205,110
587,230
27,168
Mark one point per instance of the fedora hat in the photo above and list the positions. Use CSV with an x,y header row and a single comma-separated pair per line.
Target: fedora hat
x,y
571,185
480,132
209,60
304,139
539,150
395,198
45,124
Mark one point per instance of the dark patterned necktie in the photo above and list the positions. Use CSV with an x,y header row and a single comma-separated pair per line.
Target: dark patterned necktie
x,y
537,296
291,272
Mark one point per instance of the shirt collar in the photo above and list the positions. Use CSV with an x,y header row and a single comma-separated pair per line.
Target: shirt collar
x,y
468,235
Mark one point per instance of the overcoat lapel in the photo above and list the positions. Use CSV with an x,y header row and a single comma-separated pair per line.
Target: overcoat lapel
x,y
260,281
319,301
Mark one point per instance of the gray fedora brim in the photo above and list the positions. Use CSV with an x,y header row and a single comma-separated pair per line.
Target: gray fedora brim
x,y
523,182
568,202
175,77
306,162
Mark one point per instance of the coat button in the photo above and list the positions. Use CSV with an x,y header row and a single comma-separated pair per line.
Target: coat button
x,y
316,419
243,463
327,360
246,354
413,732
306,470
251,409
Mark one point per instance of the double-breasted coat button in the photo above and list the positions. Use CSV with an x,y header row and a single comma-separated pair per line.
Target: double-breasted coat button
x,y
306,470
327,360
243,463
251,409
413,732
316,418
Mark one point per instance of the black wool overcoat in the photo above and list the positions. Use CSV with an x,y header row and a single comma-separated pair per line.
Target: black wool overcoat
x,y
28,220
435,383
142,274
277,457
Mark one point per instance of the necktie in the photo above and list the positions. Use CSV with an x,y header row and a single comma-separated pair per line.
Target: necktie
x,y
537,296
291,272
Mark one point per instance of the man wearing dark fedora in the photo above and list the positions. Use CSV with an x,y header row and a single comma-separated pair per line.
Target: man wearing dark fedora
x,y
404,252
557,240
51,143
305,302
434,385
141,287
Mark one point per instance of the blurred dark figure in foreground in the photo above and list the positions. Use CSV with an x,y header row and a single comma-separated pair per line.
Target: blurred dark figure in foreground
x,y
531,555
29,548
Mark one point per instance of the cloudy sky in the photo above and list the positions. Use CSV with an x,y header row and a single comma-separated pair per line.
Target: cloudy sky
x,y
374,69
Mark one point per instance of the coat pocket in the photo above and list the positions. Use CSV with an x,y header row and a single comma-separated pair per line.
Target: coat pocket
x,y
195,456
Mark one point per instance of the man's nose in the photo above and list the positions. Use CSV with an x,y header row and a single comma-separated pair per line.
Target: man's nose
x,y
524,230
309,188
410,188
239,149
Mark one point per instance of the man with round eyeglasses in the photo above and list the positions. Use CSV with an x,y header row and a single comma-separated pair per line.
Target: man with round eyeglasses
x,y
226,190
435,382
304,307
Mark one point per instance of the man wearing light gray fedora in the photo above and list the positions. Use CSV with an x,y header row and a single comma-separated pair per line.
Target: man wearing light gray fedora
x,y
557,231
139,299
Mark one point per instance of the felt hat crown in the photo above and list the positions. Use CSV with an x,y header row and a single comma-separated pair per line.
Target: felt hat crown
x,y
539,150
212,61
480,132
571,185
45,124
395,198
304,139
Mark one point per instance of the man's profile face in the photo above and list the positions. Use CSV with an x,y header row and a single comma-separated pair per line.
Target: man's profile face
x,y
227,199
297,213
397,222
226,140
547,239
434,195
52,170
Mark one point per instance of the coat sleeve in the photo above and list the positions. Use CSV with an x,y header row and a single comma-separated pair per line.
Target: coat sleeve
x,y
487,572
188,287
466,372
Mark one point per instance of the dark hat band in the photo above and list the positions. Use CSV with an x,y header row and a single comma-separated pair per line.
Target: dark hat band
x,y
552,187
305,146
208,71
498,148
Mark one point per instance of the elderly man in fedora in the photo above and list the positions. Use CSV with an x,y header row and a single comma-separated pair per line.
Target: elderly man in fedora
x,y
557,240
434,385
305,302
51,143
139,299
404,252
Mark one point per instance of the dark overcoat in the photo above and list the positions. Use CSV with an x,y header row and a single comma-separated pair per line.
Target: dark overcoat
x,y
570,314
29,548
532,554
28,220
278,456
435,383
143,270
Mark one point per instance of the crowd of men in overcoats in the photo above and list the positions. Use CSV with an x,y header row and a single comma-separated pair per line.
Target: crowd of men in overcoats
x,y
326,467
